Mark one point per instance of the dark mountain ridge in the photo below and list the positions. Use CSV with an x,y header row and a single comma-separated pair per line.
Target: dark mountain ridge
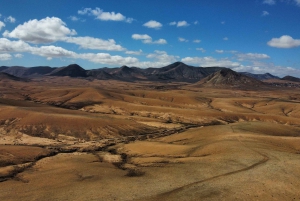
x,y
291,78
6,76
72,70
265,76
178,72
229,78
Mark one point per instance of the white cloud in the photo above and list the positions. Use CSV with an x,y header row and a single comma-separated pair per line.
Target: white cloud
x,y
159,41
297,2
1,25
163,57
220,51
223,22
52,51
265,13
95,43
284,41
74,18
153,24
210,62
105,58
179,24
201,49
141,37
251,56
148,39
18,56
197,41
134,52
225,38
10,19
269,2
182,24
7,46
196,22
261,67
46,30
4,57
104,16
182,39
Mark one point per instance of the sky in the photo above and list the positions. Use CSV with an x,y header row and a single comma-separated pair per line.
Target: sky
x,y
256,36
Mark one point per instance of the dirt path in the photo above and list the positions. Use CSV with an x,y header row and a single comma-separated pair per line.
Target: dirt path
x,y
264,159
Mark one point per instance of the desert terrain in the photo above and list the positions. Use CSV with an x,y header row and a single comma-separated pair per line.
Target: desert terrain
x,y
70,138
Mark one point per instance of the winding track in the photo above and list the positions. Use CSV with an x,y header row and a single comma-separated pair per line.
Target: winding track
x,y
176,190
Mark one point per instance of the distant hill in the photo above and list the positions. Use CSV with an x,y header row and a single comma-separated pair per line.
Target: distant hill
x,y
99,74
181,72
266,76
3,68
21,71
72,70
291,78
175,72
229,78
6,76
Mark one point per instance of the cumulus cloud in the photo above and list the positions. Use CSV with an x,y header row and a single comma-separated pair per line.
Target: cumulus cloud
x,y
210,62
161,58
141,37
179,24
95,43
134,52
1,25
182,39
262,67
74,18
104,16
105,58
52,51
269,2
159,41
148,39
46,30
182,24
153,24
10,19
265,13
251,56
297,2
196,22
197,41
13,46
4,57
284,41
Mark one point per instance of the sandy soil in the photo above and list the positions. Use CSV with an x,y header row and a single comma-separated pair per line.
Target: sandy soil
x,y
108,140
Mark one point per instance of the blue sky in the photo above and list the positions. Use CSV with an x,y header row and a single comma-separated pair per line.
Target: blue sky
x,y
257,36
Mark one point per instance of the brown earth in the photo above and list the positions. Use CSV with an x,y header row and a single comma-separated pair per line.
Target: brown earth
x,y
65,138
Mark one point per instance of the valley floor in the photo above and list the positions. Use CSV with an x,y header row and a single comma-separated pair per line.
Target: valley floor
x,y
133,141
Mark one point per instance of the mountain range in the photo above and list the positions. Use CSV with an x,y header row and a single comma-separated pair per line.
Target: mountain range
x,y
177,71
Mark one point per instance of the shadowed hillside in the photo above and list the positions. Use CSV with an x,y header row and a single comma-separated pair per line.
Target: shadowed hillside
x,y
229,78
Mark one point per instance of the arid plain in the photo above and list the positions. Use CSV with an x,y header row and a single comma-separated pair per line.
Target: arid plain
x,y
65,138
